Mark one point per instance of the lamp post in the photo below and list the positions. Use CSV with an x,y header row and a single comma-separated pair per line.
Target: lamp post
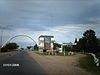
x,y
64,48
64,51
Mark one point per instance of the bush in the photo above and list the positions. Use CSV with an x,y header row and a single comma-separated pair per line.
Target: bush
x,y
9,46
4,49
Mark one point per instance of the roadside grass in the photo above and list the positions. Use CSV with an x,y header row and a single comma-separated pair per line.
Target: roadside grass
x,y
98,55
58,54
88,64
8,51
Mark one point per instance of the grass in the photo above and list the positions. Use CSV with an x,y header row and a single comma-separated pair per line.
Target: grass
x,y
59,54
88,64
8,51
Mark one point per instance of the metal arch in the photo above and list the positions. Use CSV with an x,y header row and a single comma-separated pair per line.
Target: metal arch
x,y
17,36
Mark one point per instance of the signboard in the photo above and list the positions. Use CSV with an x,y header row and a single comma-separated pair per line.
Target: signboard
x,y
47,43
47,40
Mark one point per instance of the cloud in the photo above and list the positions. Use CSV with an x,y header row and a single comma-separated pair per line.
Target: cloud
x,y
66,33
46,12
65,19
71,27
71,31
96,20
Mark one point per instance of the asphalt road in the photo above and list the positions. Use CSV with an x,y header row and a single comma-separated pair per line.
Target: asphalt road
x,y
19,63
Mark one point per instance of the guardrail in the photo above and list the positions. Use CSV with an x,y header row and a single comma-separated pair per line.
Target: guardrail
x,y
96,60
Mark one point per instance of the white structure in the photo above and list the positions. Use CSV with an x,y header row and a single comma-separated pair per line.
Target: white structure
x,y
96,60
46,42
65,44
68,44
15,37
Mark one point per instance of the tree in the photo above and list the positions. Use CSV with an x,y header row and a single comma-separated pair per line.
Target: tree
x,y
28,47
56,45
36,47
74,48
12,46
75,40
9,46
22,48
82,44
98,46
88,42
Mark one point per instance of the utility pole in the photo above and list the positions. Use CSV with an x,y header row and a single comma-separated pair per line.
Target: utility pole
x,y
63,45
1,39
1,36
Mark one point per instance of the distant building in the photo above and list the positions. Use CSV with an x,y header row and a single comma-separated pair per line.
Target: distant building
x,y
65,44
46,42
68,44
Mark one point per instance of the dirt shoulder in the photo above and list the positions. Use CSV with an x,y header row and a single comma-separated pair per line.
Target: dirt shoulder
x,y
60,65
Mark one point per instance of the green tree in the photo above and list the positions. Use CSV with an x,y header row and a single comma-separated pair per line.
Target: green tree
x,y
88,42
75,40
12,46
75,46
82,44
9,46
28,47
36,47
56,45
22,48
98,46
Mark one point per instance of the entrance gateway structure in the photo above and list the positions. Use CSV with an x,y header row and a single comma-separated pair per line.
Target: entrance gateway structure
x,y
46,42
15,37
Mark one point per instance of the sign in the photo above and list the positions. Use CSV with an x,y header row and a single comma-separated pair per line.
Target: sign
x,y
47,43
47,40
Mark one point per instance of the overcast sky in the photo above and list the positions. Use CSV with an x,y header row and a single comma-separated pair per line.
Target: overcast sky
x,y
65,19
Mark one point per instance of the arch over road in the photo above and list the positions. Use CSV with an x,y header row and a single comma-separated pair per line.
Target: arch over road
x,y
18,36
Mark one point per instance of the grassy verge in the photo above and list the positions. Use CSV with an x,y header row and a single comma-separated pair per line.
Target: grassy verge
x,y
8,51
88,64
59,54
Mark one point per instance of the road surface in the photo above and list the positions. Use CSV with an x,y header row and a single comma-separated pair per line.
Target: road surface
x,y
19,63
60,65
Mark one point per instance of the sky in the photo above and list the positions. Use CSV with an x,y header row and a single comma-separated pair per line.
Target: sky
x,y
64,19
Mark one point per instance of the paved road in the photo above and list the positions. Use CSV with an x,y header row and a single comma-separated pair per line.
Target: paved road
x,y
19,63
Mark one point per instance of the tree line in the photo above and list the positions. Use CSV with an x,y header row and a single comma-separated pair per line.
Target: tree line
x,y
9,46
87,43
14,46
